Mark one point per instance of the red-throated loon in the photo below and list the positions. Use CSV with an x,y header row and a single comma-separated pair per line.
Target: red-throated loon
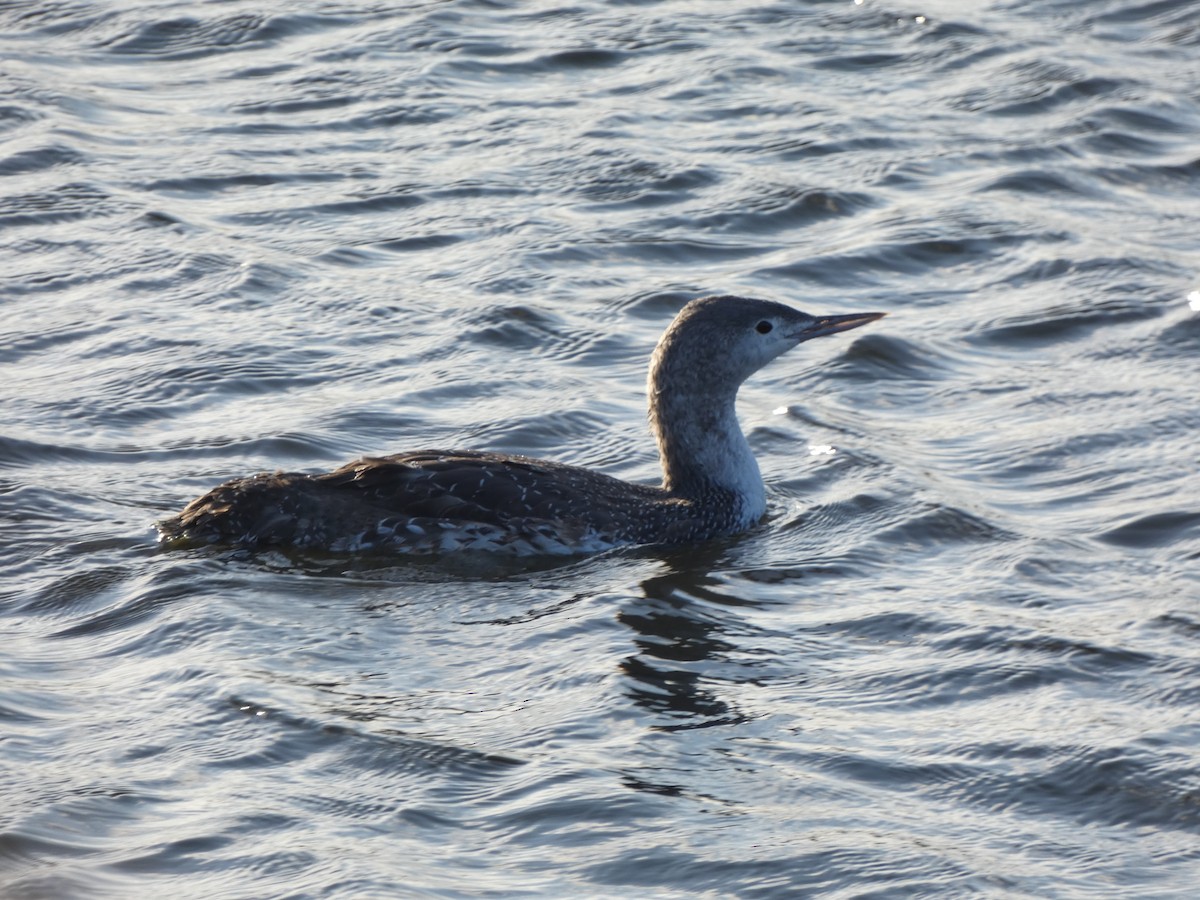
x,y
432,501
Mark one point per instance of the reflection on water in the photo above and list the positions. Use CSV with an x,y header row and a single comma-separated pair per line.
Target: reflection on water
x,y
958,656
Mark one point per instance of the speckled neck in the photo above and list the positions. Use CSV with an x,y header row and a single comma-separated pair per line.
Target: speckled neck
x,y
703,452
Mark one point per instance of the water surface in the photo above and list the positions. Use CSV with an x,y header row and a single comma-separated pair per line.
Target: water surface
x,y
960,658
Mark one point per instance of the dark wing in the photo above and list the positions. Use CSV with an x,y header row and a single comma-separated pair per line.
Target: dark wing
x,y
489,488
429,500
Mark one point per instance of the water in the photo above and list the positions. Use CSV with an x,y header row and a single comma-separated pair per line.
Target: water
x,y
961,658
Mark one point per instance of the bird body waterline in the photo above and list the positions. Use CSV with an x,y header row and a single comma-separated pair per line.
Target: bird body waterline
x,y
436,501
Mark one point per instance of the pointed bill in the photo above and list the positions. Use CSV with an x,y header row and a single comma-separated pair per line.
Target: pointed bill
x,y
823,325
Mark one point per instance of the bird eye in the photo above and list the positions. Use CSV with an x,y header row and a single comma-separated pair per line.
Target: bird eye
x,y
763,327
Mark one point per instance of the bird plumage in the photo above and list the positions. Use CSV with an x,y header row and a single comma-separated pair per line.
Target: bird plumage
x,y
432,501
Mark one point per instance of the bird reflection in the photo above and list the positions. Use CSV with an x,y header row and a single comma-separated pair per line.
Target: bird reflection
x,y
682,656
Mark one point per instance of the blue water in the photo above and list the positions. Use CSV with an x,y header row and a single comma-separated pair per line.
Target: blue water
x,y
960,658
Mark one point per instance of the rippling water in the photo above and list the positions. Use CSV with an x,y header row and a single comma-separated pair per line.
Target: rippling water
x,y
961,658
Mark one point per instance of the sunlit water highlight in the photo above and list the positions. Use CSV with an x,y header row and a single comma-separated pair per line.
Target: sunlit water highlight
x,y
961,656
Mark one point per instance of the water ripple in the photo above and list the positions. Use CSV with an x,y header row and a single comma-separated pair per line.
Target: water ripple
x,y
959,655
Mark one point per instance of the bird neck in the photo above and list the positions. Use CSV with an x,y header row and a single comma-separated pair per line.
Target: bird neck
x,y
703,451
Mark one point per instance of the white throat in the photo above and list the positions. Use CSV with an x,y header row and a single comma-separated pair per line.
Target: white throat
x,y
702,447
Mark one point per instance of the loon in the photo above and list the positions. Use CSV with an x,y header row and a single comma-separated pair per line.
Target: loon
x,y
435,501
